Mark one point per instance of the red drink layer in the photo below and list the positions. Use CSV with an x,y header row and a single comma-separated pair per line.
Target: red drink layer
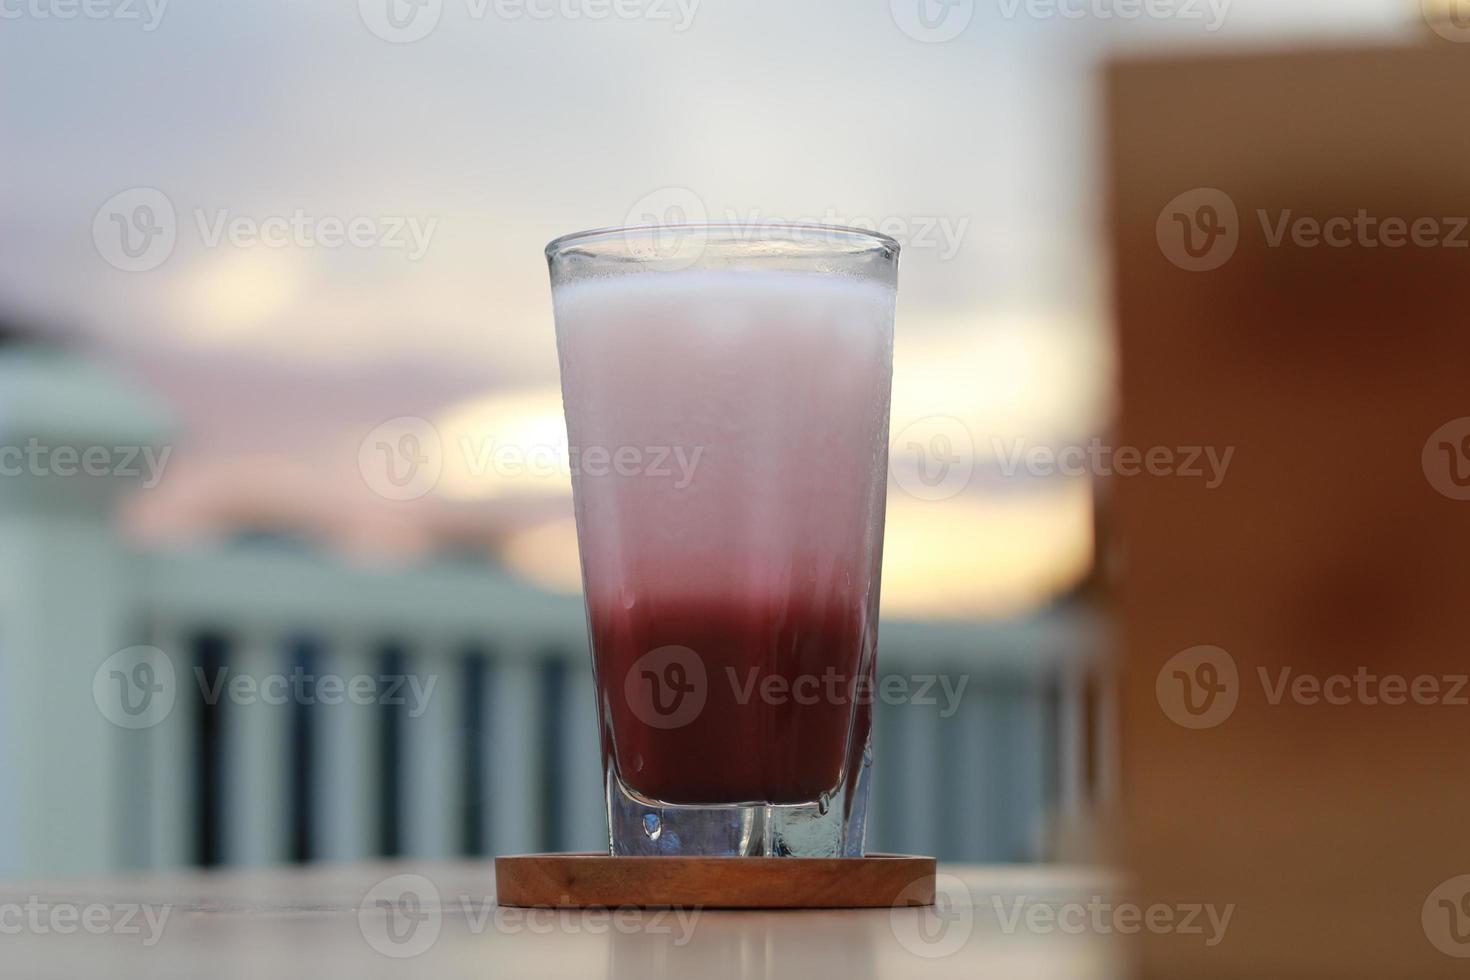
x,y
740,702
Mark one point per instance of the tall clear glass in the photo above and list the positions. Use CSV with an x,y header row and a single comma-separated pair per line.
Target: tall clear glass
x,y
726,393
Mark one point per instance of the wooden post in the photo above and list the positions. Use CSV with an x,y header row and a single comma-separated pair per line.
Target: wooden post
x,y
1291,267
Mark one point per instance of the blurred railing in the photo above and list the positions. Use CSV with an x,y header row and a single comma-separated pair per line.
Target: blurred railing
x,y
284,740
494,748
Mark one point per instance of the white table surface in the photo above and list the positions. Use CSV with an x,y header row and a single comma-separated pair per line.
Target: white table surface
x,y
324,922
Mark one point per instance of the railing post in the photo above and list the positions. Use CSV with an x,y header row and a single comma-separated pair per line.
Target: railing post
x,y
72,440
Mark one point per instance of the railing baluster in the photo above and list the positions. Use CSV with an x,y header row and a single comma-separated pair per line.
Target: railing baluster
x,y
961,798
170,830
1026,793
515,802
344,811
430,732
586,823
1072,743
256,737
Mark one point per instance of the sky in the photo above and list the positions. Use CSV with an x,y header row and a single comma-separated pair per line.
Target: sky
x,y
335,212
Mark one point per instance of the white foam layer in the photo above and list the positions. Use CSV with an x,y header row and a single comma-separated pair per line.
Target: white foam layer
x,y
772,387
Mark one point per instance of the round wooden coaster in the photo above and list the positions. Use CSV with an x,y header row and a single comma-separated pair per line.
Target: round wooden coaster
x,y
583,880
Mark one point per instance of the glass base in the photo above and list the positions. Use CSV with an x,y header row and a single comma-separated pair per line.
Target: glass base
x,y
832,827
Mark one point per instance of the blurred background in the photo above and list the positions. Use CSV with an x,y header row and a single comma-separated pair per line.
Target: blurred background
x,y
288,570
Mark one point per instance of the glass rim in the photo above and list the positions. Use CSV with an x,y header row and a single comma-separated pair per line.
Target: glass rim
x,y
768,232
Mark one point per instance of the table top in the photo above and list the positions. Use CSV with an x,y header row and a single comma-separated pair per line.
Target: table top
x,y
416,919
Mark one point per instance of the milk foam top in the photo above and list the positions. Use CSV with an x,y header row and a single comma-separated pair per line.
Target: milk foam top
x,y
765,392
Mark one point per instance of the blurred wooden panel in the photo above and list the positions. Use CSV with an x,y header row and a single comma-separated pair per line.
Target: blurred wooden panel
x,y
1329,547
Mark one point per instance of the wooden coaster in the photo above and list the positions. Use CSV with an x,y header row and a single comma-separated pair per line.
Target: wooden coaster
x,y
582,880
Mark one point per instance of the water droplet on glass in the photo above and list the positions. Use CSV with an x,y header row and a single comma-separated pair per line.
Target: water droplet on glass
x,y
652,826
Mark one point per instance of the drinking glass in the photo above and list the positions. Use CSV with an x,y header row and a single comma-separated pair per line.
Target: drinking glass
x,y
727,394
